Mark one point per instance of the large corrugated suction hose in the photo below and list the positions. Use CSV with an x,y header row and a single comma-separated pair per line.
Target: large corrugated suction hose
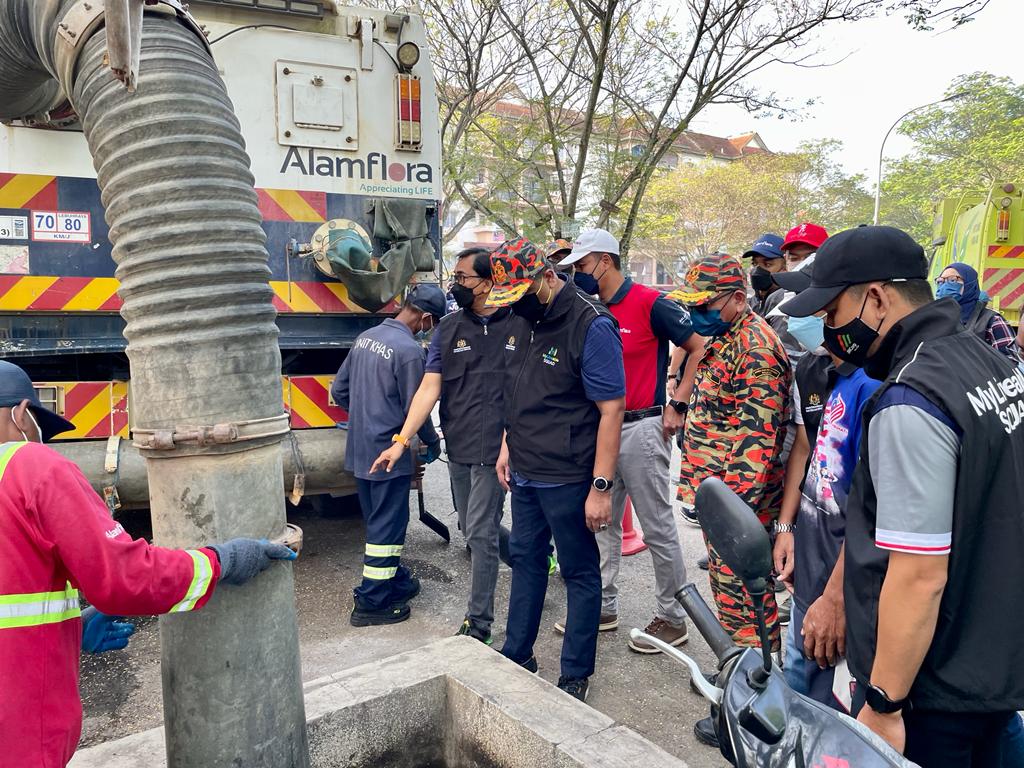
x,y
202,344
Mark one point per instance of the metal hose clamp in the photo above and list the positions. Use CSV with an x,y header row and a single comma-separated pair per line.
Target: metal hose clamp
x,y
191,440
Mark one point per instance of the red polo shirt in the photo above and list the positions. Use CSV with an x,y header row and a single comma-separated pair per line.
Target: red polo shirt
x,y
647,322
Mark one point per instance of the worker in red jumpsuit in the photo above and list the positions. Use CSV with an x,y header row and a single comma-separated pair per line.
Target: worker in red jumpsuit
x,y
56,538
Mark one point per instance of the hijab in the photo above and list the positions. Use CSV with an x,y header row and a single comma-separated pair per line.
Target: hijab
x,y
971,292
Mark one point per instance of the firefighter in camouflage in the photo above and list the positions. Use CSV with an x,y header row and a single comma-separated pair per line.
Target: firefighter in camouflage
x,y
734,429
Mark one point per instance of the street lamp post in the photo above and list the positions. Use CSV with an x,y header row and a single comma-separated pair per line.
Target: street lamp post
x,y
881,149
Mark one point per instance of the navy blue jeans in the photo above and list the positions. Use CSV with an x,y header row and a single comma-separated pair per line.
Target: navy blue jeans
x,y
537,515
385,507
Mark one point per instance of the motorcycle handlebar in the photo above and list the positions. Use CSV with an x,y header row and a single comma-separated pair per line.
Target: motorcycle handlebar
x,y
705,621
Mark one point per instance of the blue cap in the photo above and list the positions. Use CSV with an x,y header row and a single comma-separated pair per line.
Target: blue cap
x,y
429,298
767,245
16,386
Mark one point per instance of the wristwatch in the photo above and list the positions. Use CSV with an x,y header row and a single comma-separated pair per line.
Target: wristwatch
x,y
778,527
879,701
678,407
602,484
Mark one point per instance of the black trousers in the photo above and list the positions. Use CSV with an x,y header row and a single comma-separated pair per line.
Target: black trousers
x,y
960,740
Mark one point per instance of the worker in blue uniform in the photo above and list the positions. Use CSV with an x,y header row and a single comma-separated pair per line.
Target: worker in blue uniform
x,y
376,384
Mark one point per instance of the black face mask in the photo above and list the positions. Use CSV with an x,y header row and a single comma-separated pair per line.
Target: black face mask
x,y
463,296
530,307
852,341
761,280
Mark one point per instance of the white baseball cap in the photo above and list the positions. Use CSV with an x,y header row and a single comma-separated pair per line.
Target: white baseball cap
x,y
591,241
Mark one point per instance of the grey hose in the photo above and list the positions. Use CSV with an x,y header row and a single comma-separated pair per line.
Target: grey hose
x,y
185,224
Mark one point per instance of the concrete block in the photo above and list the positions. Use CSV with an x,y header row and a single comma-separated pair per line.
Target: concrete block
x,y
618,747
453,703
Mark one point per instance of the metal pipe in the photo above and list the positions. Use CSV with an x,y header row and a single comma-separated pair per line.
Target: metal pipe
x,y
321,455
202,345
881,149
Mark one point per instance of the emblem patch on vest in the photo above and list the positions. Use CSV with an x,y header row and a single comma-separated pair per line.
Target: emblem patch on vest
x,y
510,345
462,346
551,356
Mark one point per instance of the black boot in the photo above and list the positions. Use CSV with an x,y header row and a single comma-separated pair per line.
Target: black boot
x,y
364,616
705,732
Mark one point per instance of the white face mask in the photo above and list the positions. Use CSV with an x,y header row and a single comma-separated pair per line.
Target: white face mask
x,y
34,423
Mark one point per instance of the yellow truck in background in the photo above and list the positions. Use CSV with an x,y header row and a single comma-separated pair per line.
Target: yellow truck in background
x,y
985,230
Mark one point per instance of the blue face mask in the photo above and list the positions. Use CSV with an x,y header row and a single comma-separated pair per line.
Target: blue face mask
x,y
949,290
708,322
586,282
809,331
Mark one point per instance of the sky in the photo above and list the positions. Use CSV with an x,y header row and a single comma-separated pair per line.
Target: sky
x,y
890,68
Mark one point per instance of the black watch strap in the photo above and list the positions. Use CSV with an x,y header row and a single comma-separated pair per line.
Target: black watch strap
x,y
879,701
677,406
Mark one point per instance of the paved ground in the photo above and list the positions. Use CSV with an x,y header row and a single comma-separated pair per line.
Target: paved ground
x,y
121,690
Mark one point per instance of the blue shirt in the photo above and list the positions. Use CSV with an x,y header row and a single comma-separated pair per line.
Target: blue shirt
x,y
821,521
376,384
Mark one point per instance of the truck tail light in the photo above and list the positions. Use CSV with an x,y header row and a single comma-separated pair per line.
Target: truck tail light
x,y
409,134
1003,225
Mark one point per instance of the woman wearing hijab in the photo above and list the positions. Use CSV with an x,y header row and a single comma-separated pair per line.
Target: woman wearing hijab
x,y
960,282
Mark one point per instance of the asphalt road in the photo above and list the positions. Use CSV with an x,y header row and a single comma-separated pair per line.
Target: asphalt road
x,y
121,689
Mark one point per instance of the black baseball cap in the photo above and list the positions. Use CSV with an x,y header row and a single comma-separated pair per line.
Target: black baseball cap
x,y
16,386
855,256
797,281
428,298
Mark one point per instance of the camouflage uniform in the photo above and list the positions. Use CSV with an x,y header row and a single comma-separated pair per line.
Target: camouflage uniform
x,y
735,430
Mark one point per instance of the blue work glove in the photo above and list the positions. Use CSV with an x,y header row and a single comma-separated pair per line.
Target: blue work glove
x,y
241,559
104,633
432,452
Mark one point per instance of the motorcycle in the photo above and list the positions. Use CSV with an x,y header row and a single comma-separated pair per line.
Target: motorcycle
x,y
761,722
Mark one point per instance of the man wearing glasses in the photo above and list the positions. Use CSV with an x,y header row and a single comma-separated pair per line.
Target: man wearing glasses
x,y
734,428
465,365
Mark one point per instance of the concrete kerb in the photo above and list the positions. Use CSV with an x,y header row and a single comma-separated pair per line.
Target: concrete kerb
x,y
454,702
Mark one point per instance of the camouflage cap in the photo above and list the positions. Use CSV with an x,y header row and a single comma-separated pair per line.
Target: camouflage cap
x,y
708,278
515,264
557,246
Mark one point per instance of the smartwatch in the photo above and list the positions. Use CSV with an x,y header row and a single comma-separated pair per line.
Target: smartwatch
x,y
879,701
602,484
678,407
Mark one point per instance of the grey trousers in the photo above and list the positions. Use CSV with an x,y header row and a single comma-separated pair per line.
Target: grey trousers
x,y
480,502
643,476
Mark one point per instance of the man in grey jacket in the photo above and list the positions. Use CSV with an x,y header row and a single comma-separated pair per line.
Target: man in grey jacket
x,y
376,384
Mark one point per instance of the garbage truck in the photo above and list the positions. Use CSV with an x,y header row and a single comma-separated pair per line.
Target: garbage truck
x,y
985,229
338,107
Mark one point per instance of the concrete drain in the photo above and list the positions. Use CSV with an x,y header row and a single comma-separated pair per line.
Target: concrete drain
x,y
450,704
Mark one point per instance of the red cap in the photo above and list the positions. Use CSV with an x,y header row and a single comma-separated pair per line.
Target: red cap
x,y
806,234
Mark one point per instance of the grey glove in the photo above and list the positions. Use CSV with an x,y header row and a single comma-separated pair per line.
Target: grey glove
x,y
242,559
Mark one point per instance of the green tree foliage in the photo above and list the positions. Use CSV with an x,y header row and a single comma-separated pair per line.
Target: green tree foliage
x,y
963,145
699,208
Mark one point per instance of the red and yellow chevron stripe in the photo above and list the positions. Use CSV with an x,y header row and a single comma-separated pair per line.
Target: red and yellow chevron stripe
x,y
96,408
292,205
308,400
1007,285
59,294
1006,251
99,409
20,293
26,190
316,298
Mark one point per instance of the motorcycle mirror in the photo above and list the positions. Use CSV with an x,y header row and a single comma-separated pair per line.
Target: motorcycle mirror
x,y
735,532
743,544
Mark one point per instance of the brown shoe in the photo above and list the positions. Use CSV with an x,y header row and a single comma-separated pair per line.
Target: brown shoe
x,y
607,623
661,629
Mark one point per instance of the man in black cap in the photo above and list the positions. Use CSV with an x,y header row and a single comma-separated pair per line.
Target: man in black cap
x,y
376,385
56,538
933,520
